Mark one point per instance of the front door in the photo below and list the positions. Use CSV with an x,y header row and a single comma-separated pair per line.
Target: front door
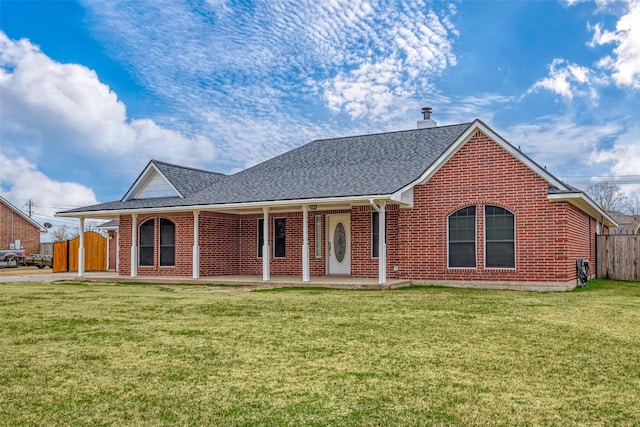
x,y
338,244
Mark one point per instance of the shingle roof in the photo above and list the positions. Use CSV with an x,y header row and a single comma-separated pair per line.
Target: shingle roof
x,y
376,164
187,180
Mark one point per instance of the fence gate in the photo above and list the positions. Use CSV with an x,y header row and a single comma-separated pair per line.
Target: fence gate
x,y
65,254
618,257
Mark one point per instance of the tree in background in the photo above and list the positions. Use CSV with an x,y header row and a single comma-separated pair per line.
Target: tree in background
x,y
612,199
632,206
63,233
607,195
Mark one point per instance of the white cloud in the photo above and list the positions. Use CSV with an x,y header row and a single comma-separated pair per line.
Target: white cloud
x,y
45,102
21,180
625,59
411,50
562,143
623,156
361,57
568,80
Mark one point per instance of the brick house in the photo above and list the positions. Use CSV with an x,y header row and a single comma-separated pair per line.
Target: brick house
x,y
454,205
16,225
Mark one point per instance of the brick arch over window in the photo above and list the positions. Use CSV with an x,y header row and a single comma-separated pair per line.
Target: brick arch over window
x,y
146,231
167,240
499,237
461,240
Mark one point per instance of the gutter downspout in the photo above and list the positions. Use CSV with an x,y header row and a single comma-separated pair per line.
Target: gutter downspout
x,y
382,245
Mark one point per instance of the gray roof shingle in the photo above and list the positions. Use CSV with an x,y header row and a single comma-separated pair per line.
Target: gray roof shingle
x,y
376,164
187,180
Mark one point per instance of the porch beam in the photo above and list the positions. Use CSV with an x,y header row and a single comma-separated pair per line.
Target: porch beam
x,y
81,249
266,254
305,243
134,245
196,245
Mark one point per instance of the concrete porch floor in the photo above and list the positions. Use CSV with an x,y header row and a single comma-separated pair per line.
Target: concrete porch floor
x,y
337,282
256,282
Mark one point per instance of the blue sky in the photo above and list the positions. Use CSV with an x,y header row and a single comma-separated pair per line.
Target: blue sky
x,y
90,91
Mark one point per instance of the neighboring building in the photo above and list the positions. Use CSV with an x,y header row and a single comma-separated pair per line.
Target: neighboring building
x,y
454,205
627,224
15,225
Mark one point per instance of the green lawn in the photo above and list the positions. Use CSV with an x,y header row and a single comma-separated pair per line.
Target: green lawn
x,y
92,354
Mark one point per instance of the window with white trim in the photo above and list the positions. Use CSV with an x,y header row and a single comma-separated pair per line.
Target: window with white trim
x,y
375,233
167,243
279,237
462,238
260,236
146,243
499,237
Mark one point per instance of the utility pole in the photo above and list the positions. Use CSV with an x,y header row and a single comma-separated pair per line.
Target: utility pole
x,y
30,202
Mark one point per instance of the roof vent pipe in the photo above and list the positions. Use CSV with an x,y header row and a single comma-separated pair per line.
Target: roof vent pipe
x,y
426,121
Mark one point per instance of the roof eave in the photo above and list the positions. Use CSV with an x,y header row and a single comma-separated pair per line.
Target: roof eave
x,y
582,202
228,206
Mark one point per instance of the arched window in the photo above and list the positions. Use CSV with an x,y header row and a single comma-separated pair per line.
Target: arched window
x,y
462,238
167,243
145,257
499,238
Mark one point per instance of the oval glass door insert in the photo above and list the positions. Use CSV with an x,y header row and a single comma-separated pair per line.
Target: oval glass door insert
x,y
340,242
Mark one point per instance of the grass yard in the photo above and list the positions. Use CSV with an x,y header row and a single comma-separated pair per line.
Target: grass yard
x,y
106,354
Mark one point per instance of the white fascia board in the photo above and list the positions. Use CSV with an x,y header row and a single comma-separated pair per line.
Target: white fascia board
x,y
477,125
144,178
585,204
228,206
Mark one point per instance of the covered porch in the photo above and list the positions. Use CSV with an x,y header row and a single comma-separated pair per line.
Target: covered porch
x,y
310,249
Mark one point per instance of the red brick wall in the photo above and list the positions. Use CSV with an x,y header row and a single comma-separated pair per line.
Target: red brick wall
x,y
112,235
23,230
219,243
362,263
549,236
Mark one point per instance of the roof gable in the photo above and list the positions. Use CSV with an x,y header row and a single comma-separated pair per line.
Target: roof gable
x,y
476,126
26,217
151,184
165,180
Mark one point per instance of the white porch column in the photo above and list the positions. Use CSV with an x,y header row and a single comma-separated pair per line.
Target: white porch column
x,y
266,254
196,246
382,250
382,241
134,245
305,243
81,249
118,250
108,248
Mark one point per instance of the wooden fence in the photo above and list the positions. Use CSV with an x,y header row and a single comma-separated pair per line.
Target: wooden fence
x,y
618,257
65,254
